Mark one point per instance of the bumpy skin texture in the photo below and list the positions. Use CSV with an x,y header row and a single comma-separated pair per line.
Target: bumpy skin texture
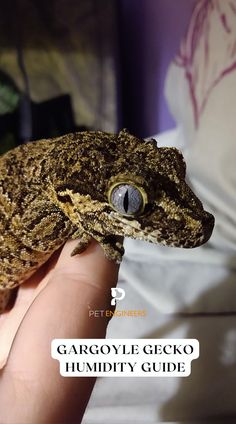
x,y
55,189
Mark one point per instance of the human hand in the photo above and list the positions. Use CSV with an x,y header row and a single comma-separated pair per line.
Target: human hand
x,y
31,387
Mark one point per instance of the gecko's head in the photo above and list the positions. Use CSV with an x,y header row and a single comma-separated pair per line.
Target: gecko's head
x,y
122,185
149,198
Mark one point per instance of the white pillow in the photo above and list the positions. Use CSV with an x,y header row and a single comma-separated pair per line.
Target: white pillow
x,y
201,92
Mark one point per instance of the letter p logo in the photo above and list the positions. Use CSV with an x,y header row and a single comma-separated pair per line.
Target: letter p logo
x,y
117,294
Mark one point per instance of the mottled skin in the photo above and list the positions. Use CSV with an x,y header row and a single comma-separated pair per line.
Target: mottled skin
x,y
56,189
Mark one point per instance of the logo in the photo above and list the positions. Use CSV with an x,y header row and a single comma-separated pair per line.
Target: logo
x,y
118,294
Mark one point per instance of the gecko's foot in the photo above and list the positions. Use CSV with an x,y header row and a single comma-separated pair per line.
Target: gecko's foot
x,y
82,244
113,248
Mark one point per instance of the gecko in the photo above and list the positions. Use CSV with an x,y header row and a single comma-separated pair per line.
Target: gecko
x,y
92,184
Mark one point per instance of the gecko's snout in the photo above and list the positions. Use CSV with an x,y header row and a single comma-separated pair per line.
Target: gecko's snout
x,y
208,223
197,233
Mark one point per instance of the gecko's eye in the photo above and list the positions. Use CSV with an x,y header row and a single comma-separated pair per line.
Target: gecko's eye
x,y
127,199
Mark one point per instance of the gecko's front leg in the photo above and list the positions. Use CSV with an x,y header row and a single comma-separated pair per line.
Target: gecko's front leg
x,y
82,243
112,245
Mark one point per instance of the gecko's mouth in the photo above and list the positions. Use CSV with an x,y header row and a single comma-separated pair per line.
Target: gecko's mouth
x,y
187,232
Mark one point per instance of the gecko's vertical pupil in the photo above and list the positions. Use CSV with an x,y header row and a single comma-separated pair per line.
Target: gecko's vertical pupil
x,y
126,201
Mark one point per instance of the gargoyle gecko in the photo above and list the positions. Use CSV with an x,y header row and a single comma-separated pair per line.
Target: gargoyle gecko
x,y
92,184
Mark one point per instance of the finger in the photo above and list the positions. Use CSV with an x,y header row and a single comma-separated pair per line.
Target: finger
x,y
61,310
10,320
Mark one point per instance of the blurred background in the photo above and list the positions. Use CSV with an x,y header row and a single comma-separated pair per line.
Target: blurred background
x,y
67,65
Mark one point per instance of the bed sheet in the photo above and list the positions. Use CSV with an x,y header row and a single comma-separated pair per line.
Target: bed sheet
x,y
188,293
